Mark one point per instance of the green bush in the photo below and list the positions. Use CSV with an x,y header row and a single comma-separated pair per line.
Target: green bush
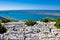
x,y
0,21
57,24
2,29
30,22
7,20
48,20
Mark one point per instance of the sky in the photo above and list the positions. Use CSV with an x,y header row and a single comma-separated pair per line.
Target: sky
x,y
29,4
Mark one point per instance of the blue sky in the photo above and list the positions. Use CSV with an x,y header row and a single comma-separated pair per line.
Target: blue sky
x,y
29,4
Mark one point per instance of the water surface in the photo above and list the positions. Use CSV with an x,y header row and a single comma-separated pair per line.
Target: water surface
x,y
25,15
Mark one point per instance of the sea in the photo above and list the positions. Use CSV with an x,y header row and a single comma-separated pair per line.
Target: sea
x,y
30,14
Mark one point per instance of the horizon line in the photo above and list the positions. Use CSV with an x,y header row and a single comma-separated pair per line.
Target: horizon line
x,y
26,9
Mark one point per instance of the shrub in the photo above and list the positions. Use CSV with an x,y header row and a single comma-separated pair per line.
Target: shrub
x,y
7,20
2,29
48,20
57,24
30,22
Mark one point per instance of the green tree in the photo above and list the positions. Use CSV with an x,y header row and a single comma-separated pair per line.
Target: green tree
x,y
30,22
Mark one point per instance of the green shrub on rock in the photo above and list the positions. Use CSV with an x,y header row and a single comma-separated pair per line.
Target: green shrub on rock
x,y
30,22
57,24
2,29
48,20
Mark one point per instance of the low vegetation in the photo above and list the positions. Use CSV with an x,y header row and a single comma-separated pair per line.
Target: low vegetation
x,y
57,24
57,20
30,22
2,29
48,20
5,20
